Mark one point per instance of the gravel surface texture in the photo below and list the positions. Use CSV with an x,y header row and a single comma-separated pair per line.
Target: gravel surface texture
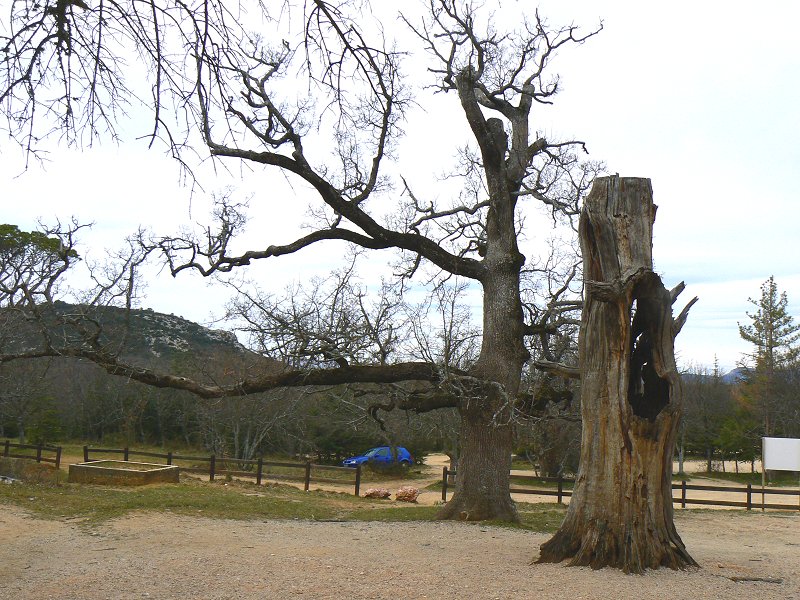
x,y
160,555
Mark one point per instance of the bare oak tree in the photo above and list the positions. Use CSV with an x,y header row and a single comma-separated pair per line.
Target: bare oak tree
x,y
324,323
213,82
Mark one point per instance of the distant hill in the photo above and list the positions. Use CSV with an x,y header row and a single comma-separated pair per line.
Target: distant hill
x,y
64,397
735,376
151,339
147,333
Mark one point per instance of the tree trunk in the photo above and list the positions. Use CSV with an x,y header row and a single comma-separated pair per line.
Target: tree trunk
x,y
483,475
620,514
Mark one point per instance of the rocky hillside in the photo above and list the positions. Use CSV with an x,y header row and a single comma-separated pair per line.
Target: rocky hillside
x,y
145,332
151,339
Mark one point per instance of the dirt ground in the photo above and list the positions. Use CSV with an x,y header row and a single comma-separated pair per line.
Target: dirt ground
x,y
160,555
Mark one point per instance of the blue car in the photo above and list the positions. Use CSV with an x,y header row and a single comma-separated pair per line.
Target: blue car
x,y
381,457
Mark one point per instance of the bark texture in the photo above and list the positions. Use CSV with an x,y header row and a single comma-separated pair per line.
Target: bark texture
x,y
482,479
621,514
482,476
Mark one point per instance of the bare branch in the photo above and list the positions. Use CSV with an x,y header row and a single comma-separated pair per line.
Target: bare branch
x,y
561,370
680,320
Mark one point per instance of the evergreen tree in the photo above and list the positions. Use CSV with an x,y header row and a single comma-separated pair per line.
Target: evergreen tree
x,y
774,334
708,404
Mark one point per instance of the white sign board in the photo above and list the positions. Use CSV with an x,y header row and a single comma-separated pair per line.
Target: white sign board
x,y
781,454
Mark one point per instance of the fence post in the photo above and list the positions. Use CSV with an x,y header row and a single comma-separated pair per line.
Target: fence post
x,y
749,496
683,493
6,449
125,454
358,480
211,467
444,484
560,488
260,470
169,458
86,454
58,458
308,476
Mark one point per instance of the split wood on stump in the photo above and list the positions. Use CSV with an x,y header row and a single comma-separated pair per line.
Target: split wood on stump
x,y
620,514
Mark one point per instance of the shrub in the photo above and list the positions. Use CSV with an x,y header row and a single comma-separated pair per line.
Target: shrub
x,y
27,470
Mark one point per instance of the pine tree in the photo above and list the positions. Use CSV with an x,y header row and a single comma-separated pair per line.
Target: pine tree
x,y
774,335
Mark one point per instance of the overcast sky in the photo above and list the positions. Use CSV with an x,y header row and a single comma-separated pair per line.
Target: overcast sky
x,y
702,98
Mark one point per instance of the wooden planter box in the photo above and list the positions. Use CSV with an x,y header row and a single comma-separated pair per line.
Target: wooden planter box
x,y
117,472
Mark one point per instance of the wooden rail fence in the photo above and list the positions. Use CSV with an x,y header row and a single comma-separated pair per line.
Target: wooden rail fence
x,y
560,492
39,455
256,468
749,491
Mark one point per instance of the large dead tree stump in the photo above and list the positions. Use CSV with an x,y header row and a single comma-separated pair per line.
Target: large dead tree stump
x,y
620,514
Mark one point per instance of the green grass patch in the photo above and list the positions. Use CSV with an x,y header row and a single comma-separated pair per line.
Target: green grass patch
x,y
545,518
95,504
393,513
91,504
393,474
